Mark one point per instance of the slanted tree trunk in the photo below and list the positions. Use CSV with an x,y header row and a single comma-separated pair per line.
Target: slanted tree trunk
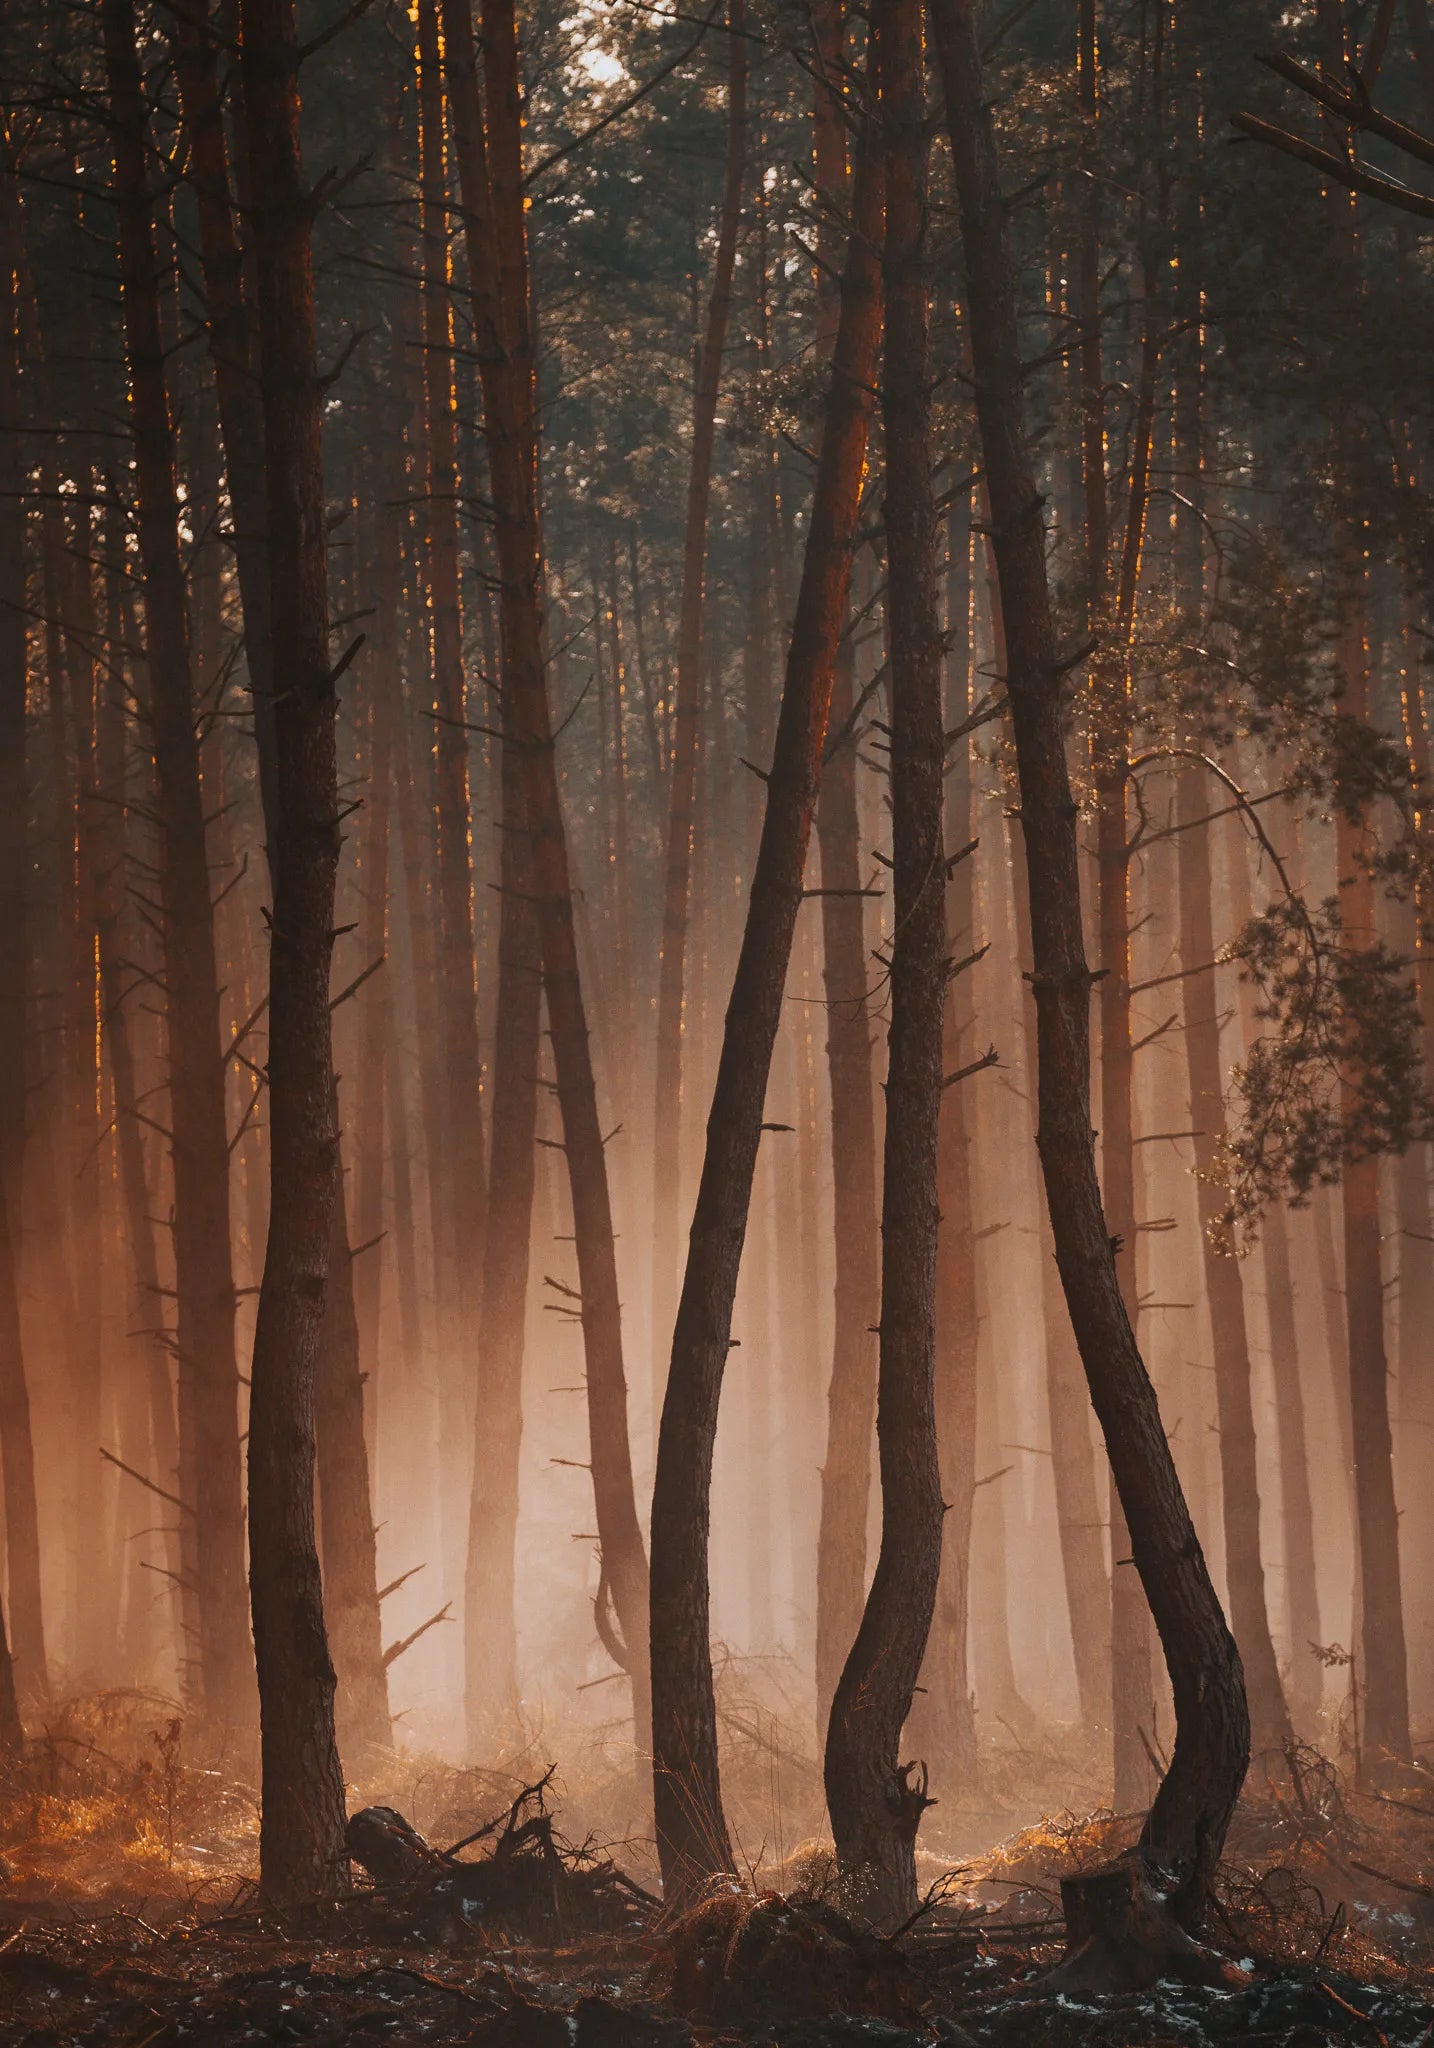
x,y
1186,1825
204,1277
691,1830
686,733
301,1828
1224,1276
491,180
874,1801
17,1454
1131,1691
1133,1694
1080,1513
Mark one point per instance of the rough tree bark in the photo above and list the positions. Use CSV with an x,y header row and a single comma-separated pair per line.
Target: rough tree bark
x,y
874,1801
691,1830
204,1278
301,1829
490,167
349,1551
1186,1825
686,728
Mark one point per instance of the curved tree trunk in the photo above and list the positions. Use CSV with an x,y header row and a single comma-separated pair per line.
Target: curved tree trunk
x,y
686,733
691,1829
1186,1824
301,1828
875,1807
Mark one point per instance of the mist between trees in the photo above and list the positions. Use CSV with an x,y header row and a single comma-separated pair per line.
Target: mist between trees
x,y
713,857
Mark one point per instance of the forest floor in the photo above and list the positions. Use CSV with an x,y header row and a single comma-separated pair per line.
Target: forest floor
x,y
127,1914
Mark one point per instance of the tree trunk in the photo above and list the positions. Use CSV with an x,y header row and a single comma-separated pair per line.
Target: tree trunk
x,y
17,1454
943,1720
1385,1733
502,311
230,328
1297,1508
12,1731
875,1805
461,1223
95,1599
204,1278
1415,1370
1187,1822
1080,1510
1133,1698
1224,1286
136,1194
301,1829
686,737
851,1389
491,1616
691,1830
350,1549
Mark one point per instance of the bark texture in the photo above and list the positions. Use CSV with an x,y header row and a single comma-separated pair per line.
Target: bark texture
x,y
301,1831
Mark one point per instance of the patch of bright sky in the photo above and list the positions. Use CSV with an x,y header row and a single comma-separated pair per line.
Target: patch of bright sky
x,y
601,66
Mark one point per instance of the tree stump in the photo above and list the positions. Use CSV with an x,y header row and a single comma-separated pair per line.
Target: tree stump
x,y
1121,1934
